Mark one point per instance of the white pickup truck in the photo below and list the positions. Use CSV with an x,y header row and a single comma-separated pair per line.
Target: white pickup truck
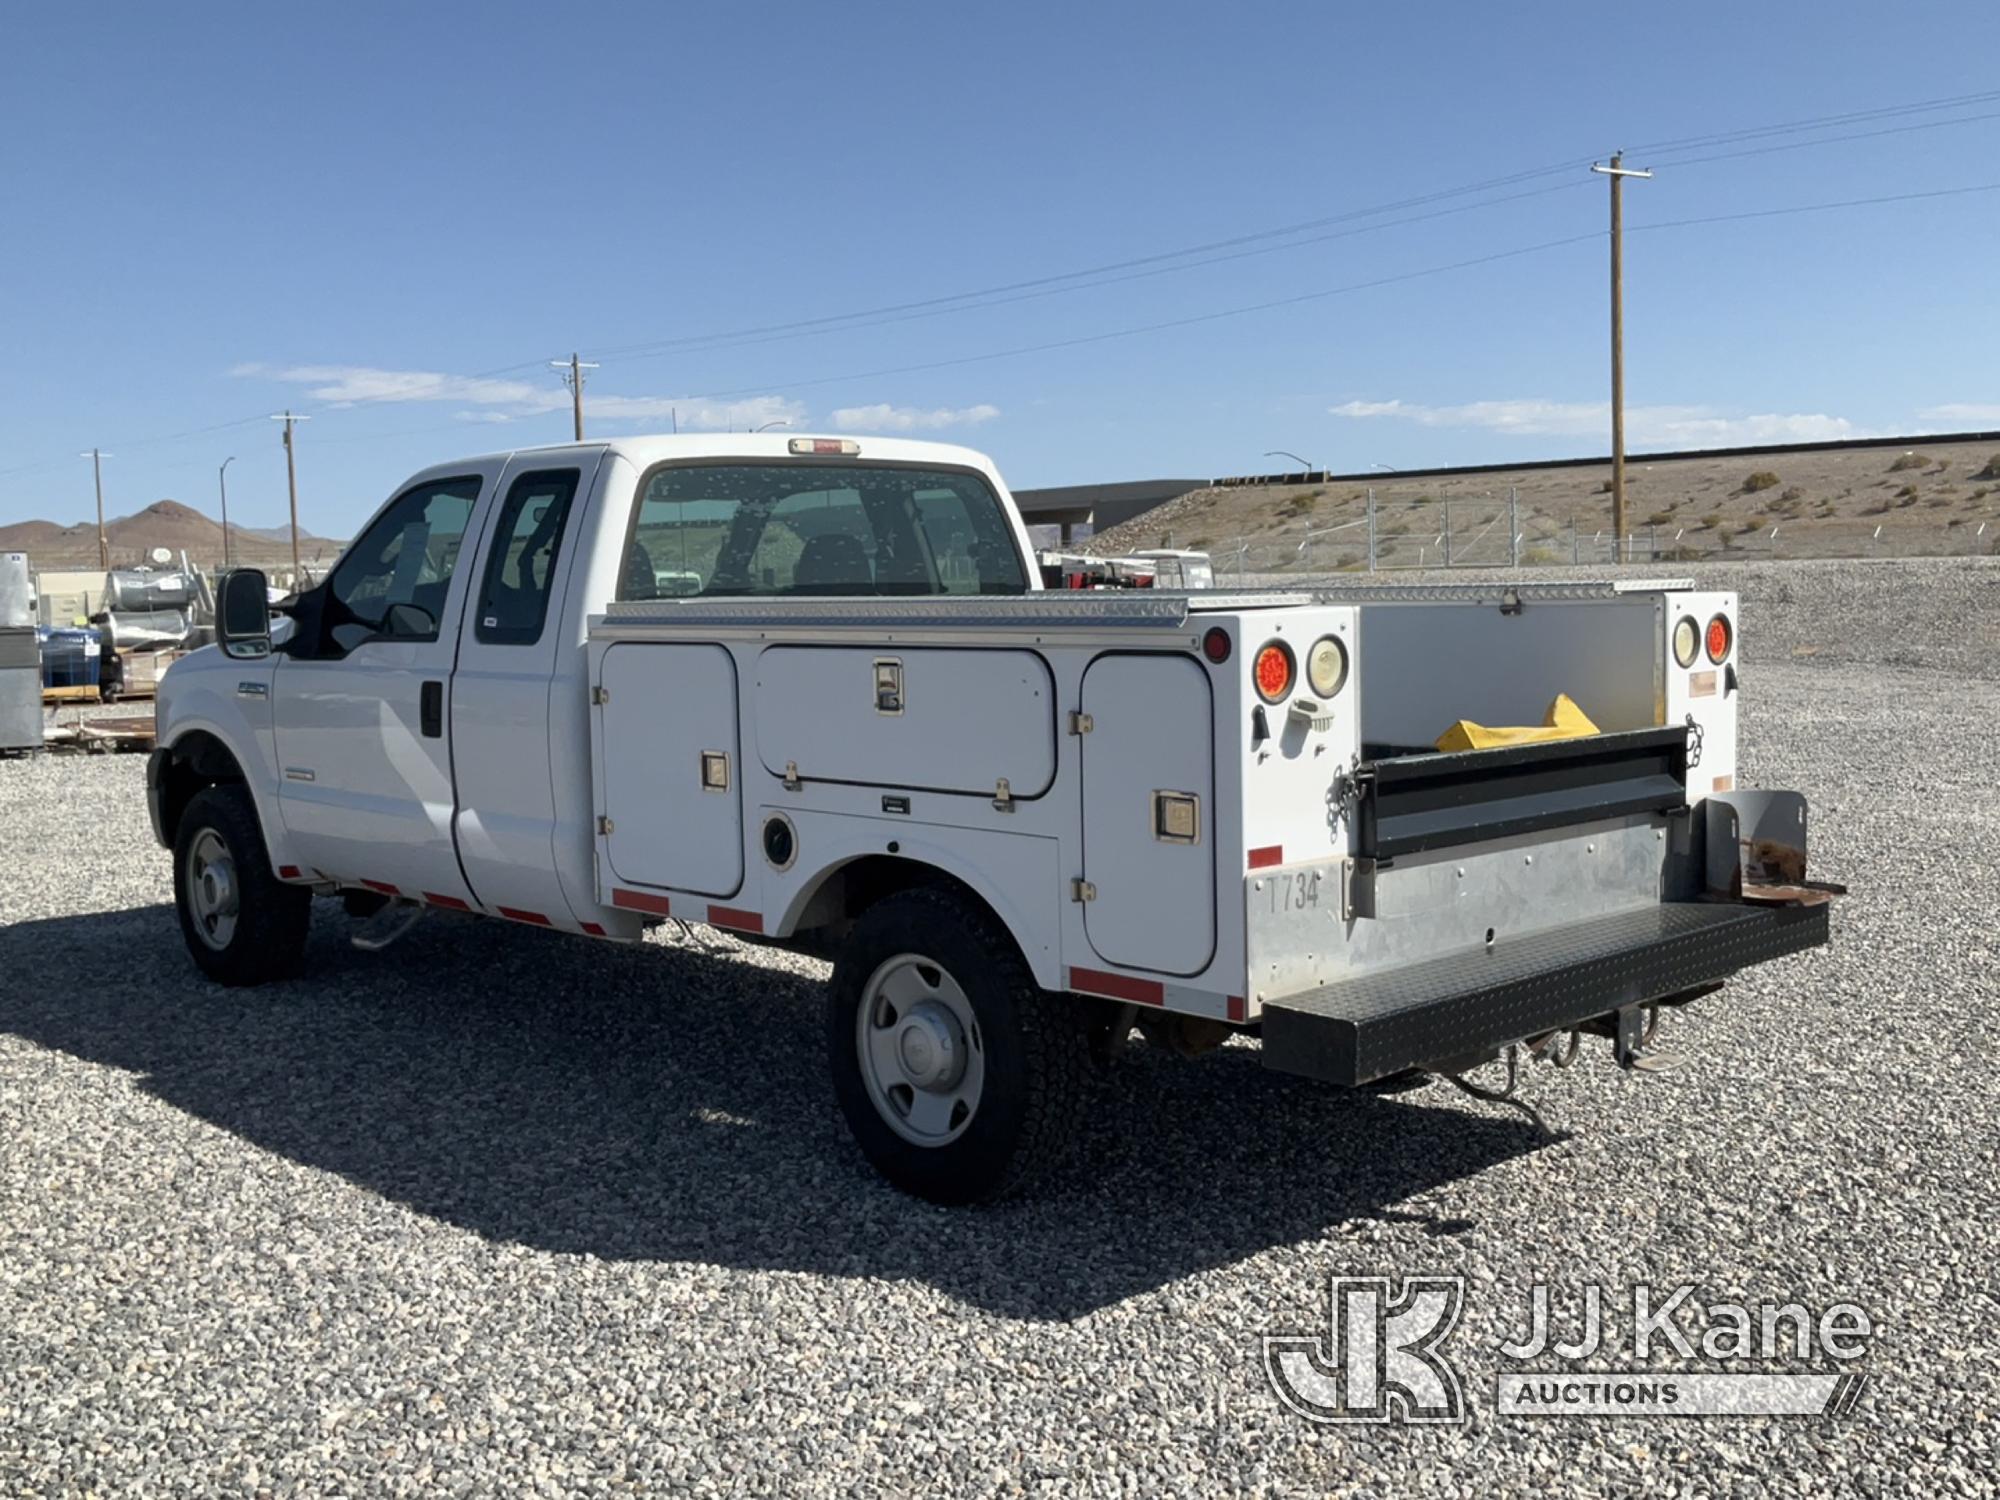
x,y
810,690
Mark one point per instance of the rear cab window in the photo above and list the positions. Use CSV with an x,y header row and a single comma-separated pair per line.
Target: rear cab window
x,y
727,529
514,598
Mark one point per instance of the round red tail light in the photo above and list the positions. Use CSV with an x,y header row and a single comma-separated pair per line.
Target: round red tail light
x,y
1273,670
1215,645
1719,638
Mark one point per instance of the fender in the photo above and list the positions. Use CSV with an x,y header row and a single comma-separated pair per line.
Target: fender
x,y
1018,875
201,695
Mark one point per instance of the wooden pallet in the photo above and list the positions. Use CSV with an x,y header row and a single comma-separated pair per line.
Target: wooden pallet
x,y
83,693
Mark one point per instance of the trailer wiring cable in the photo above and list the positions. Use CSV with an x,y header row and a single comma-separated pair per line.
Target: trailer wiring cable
x,y
1507,1095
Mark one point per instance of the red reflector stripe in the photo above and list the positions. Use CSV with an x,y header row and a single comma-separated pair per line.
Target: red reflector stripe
x,y
1118,986
288,872
450,903
593,929
383,886
730,916
1270,854
518,915
639,901
1237,1010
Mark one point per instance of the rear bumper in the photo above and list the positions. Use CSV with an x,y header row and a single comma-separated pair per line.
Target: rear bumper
x,y
1464,1006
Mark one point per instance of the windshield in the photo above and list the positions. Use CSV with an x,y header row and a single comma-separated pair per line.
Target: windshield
x,y
785,528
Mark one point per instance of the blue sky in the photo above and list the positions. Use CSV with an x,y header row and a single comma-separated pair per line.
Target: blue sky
x,y
391,216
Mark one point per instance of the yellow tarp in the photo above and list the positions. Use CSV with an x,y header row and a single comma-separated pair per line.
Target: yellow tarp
x,y
1563,721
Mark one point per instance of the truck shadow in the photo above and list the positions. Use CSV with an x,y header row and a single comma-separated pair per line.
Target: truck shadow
x,y
635,1104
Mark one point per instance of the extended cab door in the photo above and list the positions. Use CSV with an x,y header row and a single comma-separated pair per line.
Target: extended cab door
x,y
363,724
500,707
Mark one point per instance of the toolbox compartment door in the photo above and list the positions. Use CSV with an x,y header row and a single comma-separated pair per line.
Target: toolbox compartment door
x,y
665,713
917,718
1148,789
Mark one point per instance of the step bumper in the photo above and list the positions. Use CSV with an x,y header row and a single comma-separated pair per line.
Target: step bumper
x,y
1371,1027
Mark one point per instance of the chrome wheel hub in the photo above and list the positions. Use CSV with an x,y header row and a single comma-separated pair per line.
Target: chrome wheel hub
x,y
212,895
920,1052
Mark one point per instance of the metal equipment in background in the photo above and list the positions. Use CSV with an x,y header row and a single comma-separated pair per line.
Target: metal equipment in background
x,y
20,658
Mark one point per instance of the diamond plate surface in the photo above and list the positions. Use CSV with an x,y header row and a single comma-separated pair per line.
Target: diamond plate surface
x,y
1362,1029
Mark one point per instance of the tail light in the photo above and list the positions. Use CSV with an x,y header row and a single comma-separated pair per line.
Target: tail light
x,y
1720,638
1687,641
1215,645
1274,670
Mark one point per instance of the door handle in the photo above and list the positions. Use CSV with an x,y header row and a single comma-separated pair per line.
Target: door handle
x,y
430,710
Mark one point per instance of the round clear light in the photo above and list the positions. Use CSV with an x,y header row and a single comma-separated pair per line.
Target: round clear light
x,y
1326,666
1687,640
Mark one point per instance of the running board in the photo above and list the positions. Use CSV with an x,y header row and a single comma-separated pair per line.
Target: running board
x,y
1448,1010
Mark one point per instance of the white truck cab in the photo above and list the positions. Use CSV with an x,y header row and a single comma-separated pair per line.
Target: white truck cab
x,y
809,689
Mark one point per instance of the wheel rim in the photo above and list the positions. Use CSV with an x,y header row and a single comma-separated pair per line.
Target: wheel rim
x,y
920,1050
212,891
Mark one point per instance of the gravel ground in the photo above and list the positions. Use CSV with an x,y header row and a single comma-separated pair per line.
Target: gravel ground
x,y
496,1211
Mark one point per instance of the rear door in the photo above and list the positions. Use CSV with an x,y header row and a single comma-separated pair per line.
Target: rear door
x,y
364,743
1148,812
500,710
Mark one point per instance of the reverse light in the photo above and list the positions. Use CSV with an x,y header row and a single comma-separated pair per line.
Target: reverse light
x,y
1215,645
1720,638
825,447
1687,641
1326,666
1273,670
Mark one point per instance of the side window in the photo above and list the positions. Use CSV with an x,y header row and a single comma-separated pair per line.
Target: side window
x,y
514,599
392,580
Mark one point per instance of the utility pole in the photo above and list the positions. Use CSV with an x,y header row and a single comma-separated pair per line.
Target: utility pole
x,y
292,485
572,373
97,473
1617,172
222,478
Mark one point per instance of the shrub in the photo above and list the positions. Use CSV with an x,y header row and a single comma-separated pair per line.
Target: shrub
x,y
1908,461
1604,488
1875,508
1710,521
1763,479
1542,557
1660,518
1938,502
1992,469
1792,495
1905,498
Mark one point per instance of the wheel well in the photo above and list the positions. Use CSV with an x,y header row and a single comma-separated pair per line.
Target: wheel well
x,y
197,760
848,890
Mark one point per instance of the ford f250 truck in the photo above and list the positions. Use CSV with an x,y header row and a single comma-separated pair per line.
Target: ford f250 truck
x,y
810,690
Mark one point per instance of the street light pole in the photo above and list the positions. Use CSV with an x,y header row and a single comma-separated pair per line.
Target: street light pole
x,y
1617,172
1283,453
222,479
768,425
97,473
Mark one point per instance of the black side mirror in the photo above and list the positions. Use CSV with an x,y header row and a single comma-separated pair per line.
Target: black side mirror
x,y
409,622
243,613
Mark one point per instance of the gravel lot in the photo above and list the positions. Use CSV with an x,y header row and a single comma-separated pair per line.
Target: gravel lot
x,y
495,1211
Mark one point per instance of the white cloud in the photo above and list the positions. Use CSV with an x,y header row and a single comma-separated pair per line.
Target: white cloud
x,y
883,417
1666,426
1962,411
493,400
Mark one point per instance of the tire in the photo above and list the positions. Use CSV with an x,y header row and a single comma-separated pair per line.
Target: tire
x,y
917,967
241,924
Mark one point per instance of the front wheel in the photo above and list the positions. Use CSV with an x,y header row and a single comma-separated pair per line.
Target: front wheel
x,y
961,1080
242,924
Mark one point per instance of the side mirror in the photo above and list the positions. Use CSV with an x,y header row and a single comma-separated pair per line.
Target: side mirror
x,y
243,613
407,622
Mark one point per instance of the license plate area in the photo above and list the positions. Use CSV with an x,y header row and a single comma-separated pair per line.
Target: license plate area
x,y
1319,922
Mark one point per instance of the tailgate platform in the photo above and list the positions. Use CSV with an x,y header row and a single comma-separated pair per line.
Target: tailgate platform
x,y
1447,1009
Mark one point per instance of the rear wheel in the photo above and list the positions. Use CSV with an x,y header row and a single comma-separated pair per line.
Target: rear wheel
x,y
242,924
961,1080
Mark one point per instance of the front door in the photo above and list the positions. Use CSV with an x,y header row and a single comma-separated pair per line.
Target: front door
x,y
362,698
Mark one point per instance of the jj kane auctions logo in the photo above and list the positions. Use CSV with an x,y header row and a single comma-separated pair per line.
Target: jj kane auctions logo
x,y
1382,1357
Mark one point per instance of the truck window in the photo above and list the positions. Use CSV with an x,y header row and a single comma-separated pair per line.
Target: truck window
x,y
405,557
840,529
514,599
